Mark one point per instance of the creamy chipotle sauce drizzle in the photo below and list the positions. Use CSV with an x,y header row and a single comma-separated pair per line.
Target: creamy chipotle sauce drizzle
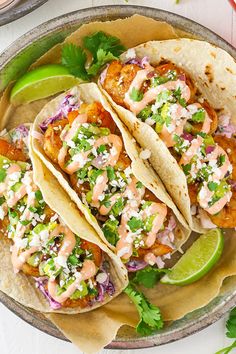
x,y
20,255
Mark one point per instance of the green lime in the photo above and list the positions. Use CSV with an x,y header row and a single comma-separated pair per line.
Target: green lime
x,y
198,259
42,82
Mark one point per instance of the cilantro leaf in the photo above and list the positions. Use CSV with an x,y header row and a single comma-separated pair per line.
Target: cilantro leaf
x,y
150,316
212,186
199,116
118,207
178,95
186,168
231,332
111,173
103,48
221,160
146,113
107,43
148,276
139,184
136,95
74,58
3,174
231,324
102,59
135,224
110,231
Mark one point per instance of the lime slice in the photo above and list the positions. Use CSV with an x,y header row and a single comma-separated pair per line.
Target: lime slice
x,y
42,82
198,259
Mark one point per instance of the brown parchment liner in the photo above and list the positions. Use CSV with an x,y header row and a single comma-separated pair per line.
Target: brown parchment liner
x,y
214,73
93,330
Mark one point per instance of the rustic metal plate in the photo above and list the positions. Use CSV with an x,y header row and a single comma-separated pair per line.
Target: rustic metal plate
x,y
14,61
21,8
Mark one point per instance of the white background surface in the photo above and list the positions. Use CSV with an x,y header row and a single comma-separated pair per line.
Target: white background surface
x,y
16,336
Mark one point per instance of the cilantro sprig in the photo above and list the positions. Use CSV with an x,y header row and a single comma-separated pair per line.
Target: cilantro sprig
x,y
231,332
150,315
103,49
149,276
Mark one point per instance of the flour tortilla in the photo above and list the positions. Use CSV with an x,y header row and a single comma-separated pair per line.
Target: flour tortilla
x,y
141,170
22,287
214,73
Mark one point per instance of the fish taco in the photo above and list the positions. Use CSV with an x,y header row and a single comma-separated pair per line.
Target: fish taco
x,y
177,98
53,260
84,144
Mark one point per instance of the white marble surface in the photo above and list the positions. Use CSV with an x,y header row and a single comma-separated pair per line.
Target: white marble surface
x,y
16,336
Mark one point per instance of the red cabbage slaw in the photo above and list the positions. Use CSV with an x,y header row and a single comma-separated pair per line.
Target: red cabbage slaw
x,y
225,127
70,103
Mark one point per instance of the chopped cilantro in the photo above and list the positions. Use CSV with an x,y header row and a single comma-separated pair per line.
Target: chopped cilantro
x,y
159,80
38,195
3,174
111,173
110,231
93,175
106,202
146,204
136,95
145,113
101,149
148,222
82,173
221,160
32,209
219,192
25,222
139,184
178,95
72,259
135,224
203,135
212,186
186,168
118,207
199,116
2,200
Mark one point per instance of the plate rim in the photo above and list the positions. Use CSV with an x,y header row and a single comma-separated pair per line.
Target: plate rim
x,y
20,10
94,13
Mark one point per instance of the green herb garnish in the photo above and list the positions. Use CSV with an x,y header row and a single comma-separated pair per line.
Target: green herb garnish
x,y
136,95
149,276
199,116
231,332
110,231
103,48
135,224
150,316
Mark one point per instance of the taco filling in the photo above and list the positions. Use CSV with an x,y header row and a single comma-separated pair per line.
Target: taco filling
x,y
165,98
68,270
86,143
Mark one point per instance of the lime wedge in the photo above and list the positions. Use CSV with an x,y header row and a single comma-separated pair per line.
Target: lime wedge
x,y
198,259
42,82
